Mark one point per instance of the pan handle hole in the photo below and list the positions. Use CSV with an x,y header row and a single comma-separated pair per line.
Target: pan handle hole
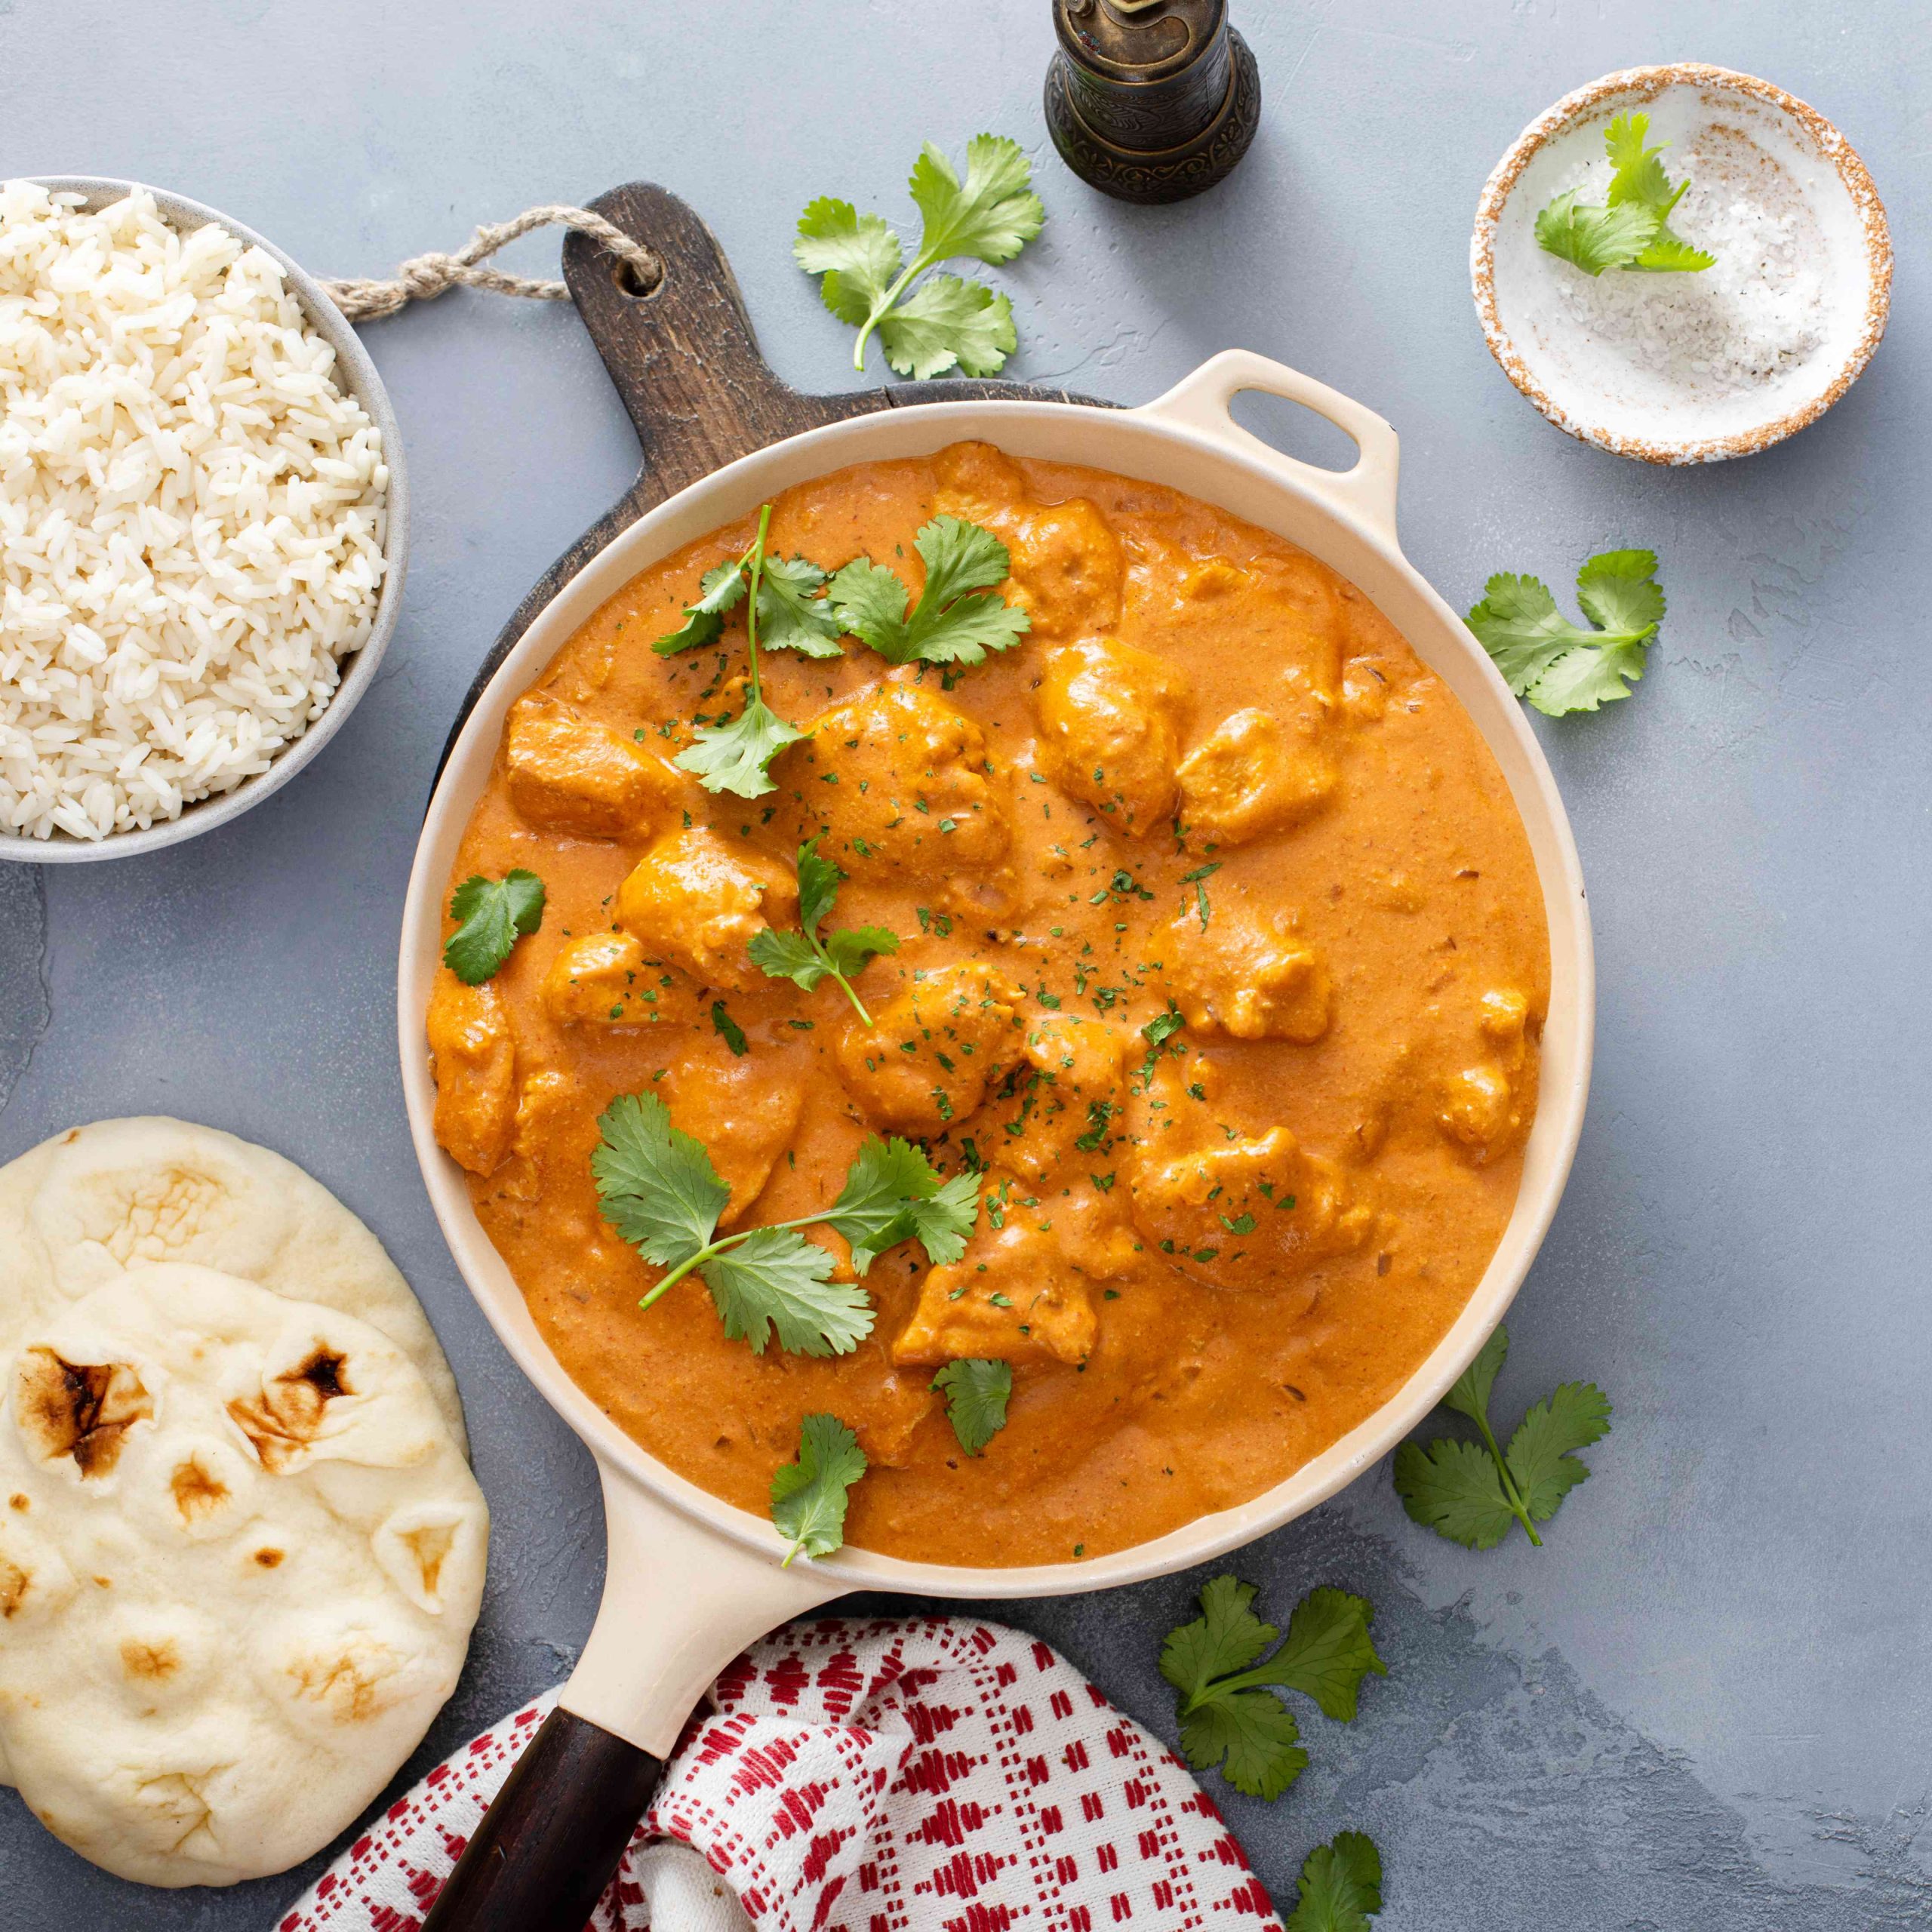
x,y
632,285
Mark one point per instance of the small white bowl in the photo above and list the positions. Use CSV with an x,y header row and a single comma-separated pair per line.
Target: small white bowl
x,y
354,368
1598,388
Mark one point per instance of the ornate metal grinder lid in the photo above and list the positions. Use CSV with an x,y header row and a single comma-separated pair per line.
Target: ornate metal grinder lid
x,y
1151,100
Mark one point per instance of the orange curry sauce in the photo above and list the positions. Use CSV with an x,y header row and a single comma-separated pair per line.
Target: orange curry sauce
x,y
1363,974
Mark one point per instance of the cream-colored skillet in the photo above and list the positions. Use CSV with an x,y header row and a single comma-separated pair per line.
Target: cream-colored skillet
x,y
689,1579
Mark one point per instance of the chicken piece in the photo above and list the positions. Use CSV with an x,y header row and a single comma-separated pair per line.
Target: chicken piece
x,y
542,1138
885,1431
1012,1297
1364,690
1110,719
568,773
1251,776
1255,982
896,779
1070,1093
1482,1110
473,1053
1249,1214
745,1111
937,1045
697,900
604,979
1068,569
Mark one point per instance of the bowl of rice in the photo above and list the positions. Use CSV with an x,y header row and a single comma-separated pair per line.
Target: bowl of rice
x,y
1677,368
203,519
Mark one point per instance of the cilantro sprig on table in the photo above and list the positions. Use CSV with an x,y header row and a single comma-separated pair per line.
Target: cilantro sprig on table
x,y
495,914
957,620
1631,230
1472,1493
809,1496
1230,1713
989,217
657,1187
1340,1888
976,1392
1554,664
804,957
736,756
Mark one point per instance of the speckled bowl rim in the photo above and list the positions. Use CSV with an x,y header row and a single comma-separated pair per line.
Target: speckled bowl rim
x,y
1646,84
354,366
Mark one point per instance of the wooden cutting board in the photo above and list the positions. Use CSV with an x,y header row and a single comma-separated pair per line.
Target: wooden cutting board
x,y
687,365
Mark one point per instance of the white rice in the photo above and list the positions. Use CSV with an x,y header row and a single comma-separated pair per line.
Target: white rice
x,y
191,515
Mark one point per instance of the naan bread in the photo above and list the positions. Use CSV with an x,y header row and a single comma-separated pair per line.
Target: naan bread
x,y
241,1556
77,1210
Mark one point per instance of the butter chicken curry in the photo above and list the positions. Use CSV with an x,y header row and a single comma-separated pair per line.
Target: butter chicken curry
x,y
1221,963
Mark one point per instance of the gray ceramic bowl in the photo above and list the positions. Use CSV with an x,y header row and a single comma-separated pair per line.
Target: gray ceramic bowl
x,y
354,368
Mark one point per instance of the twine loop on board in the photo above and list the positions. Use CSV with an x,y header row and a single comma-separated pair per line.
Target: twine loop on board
x,y
422,278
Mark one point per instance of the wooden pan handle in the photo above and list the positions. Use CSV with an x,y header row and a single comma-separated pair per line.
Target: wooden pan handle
x,y
551,1840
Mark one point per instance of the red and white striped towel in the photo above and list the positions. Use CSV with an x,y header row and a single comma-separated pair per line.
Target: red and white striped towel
x,y
931,1774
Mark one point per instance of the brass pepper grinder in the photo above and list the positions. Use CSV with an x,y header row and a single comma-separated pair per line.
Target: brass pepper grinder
x,y
1151,100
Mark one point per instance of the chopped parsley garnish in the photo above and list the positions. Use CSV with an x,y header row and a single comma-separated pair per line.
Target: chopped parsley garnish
x,y
1550,662
1340,1888
495,913
1230,1711
990,216
659,1190
958,619
809,1496
728,1029
1472,1493
977,1393
1632,230
736,756
1198,879
805,959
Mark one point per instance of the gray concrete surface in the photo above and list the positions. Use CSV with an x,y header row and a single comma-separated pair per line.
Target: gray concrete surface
x,y
1705,1704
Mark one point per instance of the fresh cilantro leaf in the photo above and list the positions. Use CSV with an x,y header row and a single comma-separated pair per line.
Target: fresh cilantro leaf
x,y
808,1497
1253,1736
1618,592
1596,239
804,958
1631,230
1469,1395
1556,666
849,951
776,1281
990,216
728,1030
977,1393
737,757
858,255
958,619
656,1185
1328,1651
893,1193
1163,1027
721,589
818,880
1576,1415
787,956
1341,1887
1228,1714
1470,1493
947,320
1640,182
659,1190
495,914
792,616
1451,1487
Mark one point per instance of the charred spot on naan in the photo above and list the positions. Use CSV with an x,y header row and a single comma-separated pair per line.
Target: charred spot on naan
x,y
78,1411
